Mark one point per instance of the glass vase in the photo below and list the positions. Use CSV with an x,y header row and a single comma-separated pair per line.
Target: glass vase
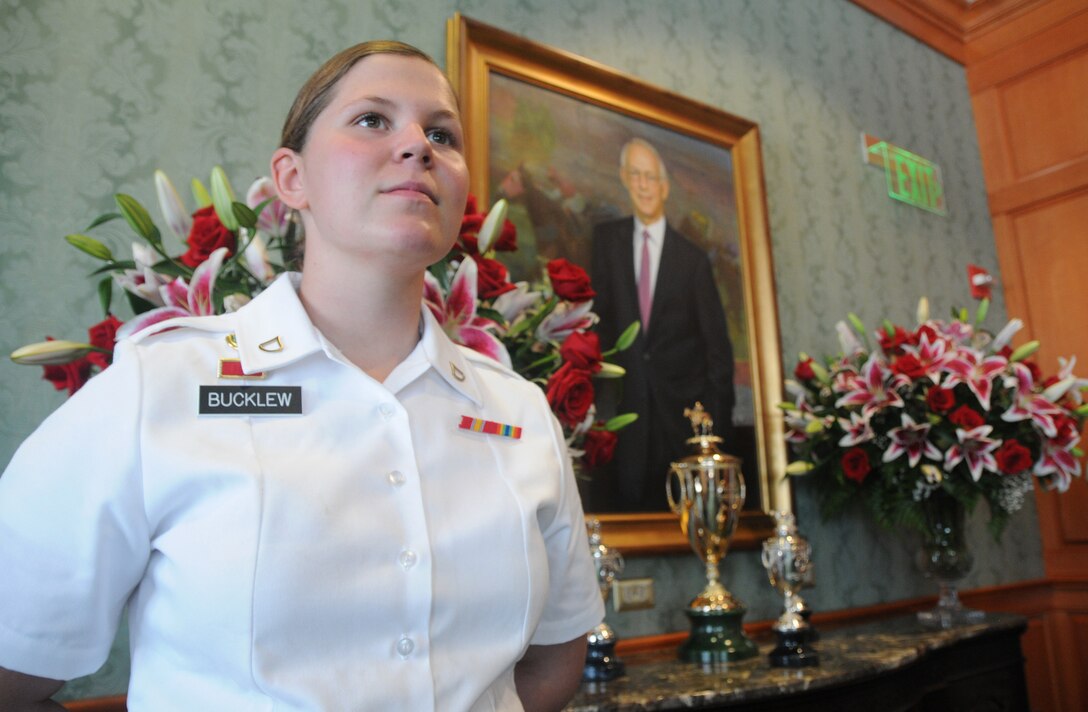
x,y
945,558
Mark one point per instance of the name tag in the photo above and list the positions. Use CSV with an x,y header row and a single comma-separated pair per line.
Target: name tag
x,y
250,400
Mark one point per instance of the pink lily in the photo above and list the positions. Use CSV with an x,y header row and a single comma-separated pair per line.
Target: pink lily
x,y
1058,461
182,298
969,367
256,258
456,312
974,448
911,438
514,303
273,219
857,430
143,281
1079,384
874,389
932,355
566,319
1029,405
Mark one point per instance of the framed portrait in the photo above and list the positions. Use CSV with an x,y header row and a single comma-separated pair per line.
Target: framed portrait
x,y
581,152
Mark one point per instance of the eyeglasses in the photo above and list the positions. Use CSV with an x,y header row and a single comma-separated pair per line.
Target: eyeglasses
x,y
634,175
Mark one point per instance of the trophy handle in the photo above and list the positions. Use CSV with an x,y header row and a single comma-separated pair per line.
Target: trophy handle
x,y
673,504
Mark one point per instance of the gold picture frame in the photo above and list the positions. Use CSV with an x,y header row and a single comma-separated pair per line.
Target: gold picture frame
x,y
479,56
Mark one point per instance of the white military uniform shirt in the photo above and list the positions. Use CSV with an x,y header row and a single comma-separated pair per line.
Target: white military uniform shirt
x,y
368,554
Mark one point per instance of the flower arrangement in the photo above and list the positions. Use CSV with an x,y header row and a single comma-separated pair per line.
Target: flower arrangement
x,y
945,407
543,331
226,262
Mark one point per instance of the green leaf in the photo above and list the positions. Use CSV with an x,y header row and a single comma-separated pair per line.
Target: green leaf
x,y
138,218
620,421
102,219
105,294
628,336
223,199
91,246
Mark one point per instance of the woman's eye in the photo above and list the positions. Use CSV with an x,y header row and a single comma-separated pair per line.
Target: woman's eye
x,y
370,121
442,136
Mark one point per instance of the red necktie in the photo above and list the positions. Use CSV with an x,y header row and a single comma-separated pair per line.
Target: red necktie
x,y
644,285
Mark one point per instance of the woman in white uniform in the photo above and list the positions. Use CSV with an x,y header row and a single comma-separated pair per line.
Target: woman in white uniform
x,y
324,533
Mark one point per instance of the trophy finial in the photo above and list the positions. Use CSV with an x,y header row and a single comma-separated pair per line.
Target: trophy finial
x,y
701,422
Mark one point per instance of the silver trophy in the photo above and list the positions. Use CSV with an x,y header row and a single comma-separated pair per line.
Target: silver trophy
x,y
787,556
601,662
706,489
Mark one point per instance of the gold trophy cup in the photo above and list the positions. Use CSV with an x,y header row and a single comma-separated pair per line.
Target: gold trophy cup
x,y
706,490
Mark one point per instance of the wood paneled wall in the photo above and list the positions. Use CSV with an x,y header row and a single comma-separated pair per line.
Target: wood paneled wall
x,y
1027,72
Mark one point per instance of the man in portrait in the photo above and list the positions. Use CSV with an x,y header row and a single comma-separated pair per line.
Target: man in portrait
x,y
643,269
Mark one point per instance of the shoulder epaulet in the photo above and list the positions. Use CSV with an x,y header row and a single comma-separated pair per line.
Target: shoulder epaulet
x,y
480,359
212,324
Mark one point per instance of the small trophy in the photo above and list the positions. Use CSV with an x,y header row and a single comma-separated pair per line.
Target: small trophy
x,y
601,664
787,556
706,490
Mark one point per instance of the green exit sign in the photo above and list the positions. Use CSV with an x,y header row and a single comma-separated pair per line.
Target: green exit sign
x,y
910,178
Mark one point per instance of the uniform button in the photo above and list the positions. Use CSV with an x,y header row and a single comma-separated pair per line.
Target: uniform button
x,y
408,558
396,478
386,410
405,646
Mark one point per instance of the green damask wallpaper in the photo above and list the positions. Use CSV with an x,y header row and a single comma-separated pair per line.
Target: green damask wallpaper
x,y
97,94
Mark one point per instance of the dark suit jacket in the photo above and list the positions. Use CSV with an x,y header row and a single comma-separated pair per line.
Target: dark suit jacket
x,y
684,356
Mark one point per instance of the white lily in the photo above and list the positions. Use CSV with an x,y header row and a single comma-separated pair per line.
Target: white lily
x,y
173,209
848,339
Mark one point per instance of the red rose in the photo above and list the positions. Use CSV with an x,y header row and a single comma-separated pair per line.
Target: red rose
x,y
470,205
1012,457
803,371
966,418
600,446
70,376
470,226
939,399
909,366
491,278
206,236
1036,374
892,343
570,281
855,464
570,394
582,350
103,335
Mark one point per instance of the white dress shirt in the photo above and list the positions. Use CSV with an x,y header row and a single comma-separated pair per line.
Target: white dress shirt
x,y
366,555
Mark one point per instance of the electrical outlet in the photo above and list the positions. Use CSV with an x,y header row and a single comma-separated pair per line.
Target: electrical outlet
x,y
633,594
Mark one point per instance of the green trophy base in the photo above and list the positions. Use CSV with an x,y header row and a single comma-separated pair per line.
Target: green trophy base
x,y
716,637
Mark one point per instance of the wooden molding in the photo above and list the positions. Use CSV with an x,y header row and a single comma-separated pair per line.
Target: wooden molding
x,y
968,30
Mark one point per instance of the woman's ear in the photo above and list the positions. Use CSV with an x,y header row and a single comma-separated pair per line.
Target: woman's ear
x,y
287,177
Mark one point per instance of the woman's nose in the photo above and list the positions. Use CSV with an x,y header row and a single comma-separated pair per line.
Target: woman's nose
x,y
414,143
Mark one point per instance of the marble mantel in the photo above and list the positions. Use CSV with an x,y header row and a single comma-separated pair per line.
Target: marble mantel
x,y
895,664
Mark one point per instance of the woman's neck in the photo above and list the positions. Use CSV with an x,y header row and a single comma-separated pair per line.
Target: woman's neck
x,y
370,315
